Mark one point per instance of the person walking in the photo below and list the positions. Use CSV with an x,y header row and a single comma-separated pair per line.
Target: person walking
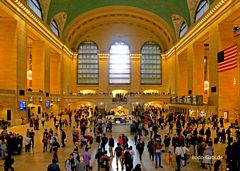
x,y
158,153
167,141
45,142
104,142
140,148
53,166
128,160
63,137
86,158
179,155
55,146
111,145
118,153
150,147
8,161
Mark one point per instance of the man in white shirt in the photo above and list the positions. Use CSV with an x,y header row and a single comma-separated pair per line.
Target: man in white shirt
x,y
178,153
27,144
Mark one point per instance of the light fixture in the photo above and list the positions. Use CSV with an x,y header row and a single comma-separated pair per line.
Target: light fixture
x,y
29,72
206,85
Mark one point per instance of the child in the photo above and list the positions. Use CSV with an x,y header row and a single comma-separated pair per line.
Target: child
x,y
170,158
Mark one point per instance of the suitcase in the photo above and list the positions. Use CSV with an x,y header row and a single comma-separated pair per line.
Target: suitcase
x,y
216,140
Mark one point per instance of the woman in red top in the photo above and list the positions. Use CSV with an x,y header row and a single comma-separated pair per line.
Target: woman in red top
x,y
120,141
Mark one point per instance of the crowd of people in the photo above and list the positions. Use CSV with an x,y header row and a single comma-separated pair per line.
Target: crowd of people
x,y
183,138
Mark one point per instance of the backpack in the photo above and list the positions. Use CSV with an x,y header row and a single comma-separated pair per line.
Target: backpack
x,y
127,156
118,151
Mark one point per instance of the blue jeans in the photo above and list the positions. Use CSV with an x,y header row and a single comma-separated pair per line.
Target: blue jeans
x,y
158,159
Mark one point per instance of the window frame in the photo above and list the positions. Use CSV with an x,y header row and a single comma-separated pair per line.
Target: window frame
x,y
152,55
201,9
129,66
183,29
54,25
37,5
87,56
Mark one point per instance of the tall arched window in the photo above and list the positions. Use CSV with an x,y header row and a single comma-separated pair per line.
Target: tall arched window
x,y
119,63
183,29
54,27
151,64
87,63
201,9
35,6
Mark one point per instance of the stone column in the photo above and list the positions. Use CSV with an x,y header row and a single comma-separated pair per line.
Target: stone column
x,y
135,73
21,67
103,72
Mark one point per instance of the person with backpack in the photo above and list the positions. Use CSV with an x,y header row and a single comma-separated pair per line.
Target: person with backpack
x,y
128,160
71,163
55,146
150,147
118,153
98,156
105,159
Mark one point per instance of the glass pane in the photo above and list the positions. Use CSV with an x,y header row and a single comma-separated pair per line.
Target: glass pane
x,y
202,8
87,63
151,63
119,64
54,27
35,6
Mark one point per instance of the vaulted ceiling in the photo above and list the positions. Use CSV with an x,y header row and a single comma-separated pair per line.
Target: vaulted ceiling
x,y
80,18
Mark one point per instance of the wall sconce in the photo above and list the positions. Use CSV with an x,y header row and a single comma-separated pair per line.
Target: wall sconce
x,y
30,99
40,99
58,100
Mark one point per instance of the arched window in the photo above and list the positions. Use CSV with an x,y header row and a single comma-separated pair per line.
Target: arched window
x,y
201,9
119,63
35,6
87,63
54,27
151,64
183,29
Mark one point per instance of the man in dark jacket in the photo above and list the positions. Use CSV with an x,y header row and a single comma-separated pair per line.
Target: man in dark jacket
x,y
53,166
150,147
128,160
8,161
63,137
208,134
104,142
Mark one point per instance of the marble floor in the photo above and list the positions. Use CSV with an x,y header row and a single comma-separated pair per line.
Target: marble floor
x,y
39,160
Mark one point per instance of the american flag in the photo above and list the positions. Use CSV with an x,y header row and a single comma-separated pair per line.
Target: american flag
x,y
227,59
